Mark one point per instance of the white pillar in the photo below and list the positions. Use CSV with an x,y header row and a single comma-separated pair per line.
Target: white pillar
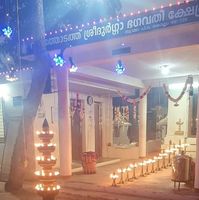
x,y
196,184
142,126
65,143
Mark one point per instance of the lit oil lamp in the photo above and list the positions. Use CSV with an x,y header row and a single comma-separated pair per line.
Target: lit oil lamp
x,y
142,164
47,188
121,171
152,166
128,169
163,155
185,147
114,177
133,166
169,152
158,158
147,163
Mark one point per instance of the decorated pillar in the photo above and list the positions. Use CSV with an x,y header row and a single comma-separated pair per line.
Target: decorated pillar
x,y
142,126
65,142
196,183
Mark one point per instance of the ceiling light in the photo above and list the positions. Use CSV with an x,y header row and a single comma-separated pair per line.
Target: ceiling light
x,y
164,69
73,67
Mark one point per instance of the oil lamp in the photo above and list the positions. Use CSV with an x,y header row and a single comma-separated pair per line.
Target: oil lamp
x,y
185,147
169,151
128,169
152,167
158,158
47,186
113,176
147,163
142,164
133,166
163,155
121,171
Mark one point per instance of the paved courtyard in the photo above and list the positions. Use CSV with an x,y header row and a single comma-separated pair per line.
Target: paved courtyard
x,y
98,186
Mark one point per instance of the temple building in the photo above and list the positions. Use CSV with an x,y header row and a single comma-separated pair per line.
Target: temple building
x,y
127,87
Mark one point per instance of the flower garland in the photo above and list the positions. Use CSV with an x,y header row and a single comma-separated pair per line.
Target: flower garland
x,y
189,80
134,101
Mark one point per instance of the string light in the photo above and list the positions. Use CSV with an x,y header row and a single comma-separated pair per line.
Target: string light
x,y
138,12
7,31
11,77
16,70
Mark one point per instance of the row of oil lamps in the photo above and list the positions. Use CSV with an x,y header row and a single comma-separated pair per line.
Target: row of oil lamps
x,y
163,160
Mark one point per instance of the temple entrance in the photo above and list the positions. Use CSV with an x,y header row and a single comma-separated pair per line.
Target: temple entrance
x,y
98,128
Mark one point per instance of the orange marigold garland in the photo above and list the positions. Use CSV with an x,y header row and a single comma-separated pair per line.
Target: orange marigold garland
x,y
134,101
175,100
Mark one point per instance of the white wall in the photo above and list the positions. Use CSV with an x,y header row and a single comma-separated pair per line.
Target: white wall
x,y
12,119
174,114
89,123
88,133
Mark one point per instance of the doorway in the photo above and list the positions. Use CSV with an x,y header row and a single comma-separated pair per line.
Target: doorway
x,y
98,128
76,129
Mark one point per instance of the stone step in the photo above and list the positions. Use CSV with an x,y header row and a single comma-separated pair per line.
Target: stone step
x,y
100,164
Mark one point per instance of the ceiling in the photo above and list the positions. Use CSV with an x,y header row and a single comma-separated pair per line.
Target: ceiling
x,y
178,47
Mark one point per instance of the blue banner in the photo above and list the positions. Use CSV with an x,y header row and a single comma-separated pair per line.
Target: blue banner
x,y
120,27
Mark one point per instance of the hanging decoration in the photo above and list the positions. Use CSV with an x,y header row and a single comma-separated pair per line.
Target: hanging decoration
x,y
76,106
59,61
189,80
134,101
7,31
120,68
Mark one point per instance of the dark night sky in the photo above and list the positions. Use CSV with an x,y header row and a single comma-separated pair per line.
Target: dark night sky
x,y
57,14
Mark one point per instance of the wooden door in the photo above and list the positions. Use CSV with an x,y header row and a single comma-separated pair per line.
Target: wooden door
x,y
76,132
98,128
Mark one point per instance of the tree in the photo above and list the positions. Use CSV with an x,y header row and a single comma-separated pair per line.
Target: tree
x,y
39,77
